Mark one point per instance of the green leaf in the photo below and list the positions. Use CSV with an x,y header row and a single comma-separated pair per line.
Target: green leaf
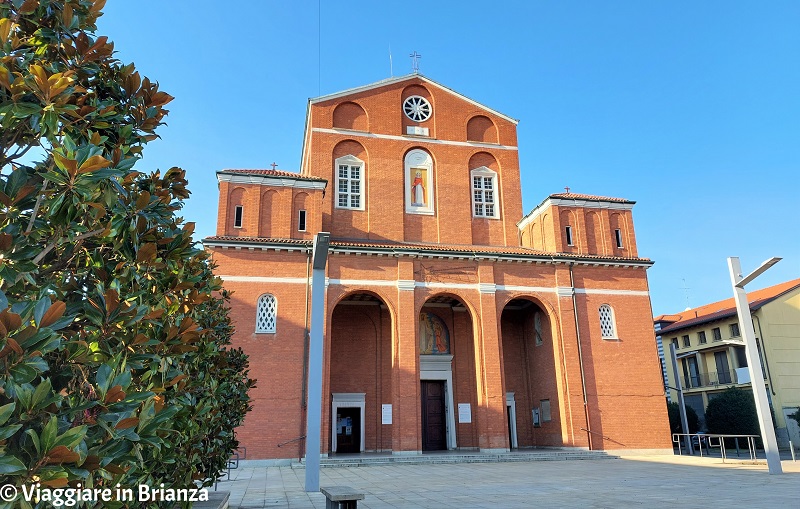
x,y
34,440
72,437
7,431
42,391
3,301
103,374
11,465
49,434
6,411
41,308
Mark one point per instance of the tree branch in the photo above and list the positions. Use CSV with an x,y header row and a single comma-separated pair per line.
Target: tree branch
x,y
55,242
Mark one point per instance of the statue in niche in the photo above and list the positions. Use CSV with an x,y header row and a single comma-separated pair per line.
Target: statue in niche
x,y
418,189
434,338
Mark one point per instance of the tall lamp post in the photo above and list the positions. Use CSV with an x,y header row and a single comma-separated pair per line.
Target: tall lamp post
x,y
753,358
319,258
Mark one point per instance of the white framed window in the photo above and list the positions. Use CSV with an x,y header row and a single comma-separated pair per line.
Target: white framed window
x,y
568,233
484,193
349,172
608,327
618,237
266,314
238,212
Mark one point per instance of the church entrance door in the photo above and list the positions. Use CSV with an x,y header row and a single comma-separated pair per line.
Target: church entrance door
x,y
434,416
348,430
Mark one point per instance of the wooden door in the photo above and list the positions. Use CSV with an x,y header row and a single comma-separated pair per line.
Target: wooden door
x,y
434,416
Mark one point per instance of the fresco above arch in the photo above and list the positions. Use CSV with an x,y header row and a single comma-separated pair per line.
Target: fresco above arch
x,y
434,338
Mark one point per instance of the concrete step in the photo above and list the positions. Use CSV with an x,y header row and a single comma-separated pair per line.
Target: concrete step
x,y
450,458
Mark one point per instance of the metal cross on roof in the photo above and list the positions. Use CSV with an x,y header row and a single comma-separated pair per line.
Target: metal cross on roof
x,y
567,189
415,62
274,165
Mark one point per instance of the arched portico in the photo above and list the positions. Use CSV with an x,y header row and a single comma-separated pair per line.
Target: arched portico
x,y
359,374
529,346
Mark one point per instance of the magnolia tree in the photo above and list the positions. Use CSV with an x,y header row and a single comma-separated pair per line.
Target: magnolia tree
x,y
114,366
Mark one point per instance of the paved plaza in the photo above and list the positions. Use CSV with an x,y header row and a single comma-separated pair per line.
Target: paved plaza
x,y
649,481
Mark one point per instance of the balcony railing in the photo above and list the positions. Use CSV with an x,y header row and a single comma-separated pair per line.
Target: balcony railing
x,y
712,379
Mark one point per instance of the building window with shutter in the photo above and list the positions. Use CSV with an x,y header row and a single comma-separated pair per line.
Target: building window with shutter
x,y
266,314
608,329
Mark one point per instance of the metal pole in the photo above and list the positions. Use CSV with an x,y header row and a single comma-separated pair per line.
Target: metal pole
x,y
314,410
791,448
754,361
681,405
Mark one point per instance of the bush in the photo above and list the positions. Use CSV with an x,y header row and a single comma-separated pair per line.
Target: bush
x,y
114,366
733,412
675,419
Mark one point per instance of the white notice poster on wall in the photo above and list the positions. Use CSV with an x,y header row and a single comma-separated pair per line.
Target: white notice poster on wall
x,y
464,413
386,414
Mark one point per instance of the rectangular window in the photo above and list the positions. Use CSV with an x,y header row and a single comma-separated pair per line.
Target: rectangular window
x,y
701,337
483,196
301,221
238,211
618,237
716,333
545,405
734,330
349,187
686,342
675,343
568,231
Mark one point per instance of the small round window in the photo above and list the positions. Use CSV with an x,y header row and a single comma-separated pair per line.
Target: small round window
x,y
417,108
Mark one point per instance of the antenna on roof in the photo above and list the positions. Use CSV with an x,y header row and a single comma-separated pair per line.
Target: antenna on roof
x,y
415,62
686,294
391,71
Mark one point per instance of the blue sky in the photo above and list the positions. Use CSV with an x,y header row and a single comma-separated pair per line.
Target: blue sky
x,y
690,108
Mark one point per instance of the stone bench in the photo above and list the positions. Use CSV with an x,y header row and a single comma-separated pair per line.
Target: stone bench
x,y
341,497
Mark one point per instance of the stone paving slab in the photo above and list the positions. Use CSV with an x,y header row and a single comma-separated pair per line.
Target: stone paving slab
x,y
640,481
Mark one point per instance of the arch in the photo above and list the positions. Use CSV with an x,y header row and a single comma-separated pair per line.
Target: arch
x,y
268,215
266,314
455,372
569,230
530,348
608,322
486,159
361,335
618,221
419,181
482,129
300,202
594,233
236,198
350,115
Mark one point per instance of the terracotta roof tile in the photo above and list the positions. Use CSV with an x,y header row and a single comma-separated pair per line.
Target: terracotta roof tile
x,y
725,308
270,173
575,196
420,246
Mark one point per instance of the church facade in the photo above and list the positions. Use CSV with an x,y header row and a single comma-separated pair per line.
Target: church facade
x,y
452,320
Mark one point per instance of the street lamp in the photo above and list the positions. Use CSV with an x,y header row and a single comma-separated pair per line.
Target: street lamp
x,y
319,258
753,358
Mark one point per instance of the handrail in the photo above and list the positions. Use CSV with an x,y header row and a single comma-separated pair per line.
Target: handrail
x,y
708,437
292,440
602,436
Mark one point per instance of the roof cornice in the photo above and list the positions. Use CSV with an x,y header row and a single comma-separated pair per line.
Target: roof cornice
x,y
299,182
587,203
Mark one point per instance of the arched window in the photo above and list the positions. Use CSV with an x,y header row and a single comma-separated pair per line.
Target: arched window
x,y
484,193
608,329
266,314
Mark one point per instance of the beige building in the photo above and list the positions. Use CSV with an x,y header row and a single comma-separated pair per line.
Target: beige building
x,y
711,353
